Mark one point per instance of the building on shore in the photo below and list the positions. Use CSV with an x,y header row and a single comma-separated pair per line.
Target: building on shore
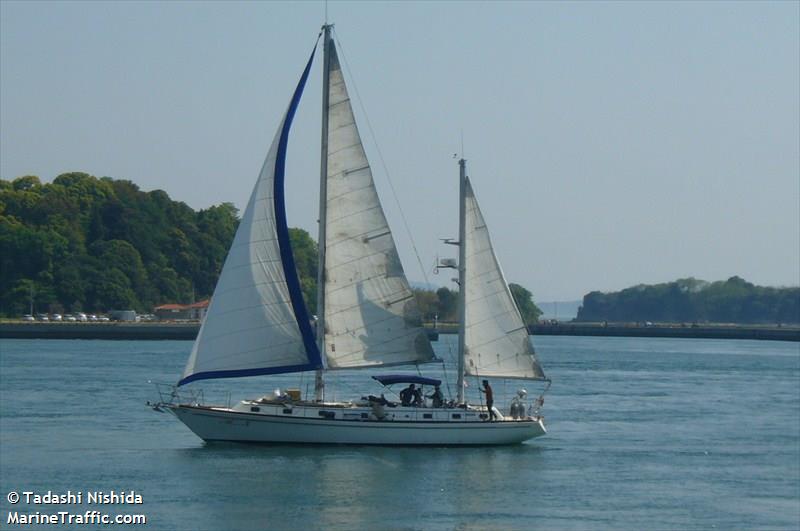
x,y
123,315
182,312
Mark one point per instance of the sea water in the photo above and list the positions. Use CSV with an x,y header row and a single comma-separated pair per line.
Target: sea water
x,y
642,434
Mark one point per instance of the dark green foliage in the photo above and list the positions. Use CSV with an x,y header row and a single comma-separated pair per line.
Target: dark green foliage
x,y
306,259
524,299
88,244
428,304
448,304
690,300
444,304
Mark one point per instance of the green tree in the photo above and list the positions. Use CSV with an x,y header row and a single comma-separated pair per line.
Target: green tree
x,y
448,304
306,259
19,298
427,302
119,255
113,291
524,300
28,182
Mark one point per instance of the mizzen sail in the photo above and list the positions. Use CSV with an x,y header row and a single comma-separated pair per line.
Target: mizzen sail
x,y
257,322
497,342
371,316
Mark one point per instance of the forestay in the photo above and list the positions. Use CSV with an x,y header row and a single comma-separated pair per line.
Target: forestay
x,y
257,322
371,317
497,342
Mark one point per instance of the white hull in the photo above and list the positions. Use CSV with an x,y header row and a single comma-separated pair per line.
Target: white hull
x,y
422,428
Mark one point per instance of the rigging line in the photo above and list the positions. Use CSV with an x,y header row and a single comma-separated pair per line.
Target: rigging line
x,y
444,377
330,385
380,156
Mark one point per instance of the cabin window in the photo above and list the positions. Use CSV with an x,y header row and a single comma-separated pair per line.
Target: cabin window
x,y
287,411
427,415
364,416
255,408
327,414
483,416
456,415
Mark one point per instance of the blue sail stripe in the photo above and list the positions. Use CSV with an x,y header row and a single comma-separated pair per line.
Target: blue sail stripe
x,y
295,293
239,373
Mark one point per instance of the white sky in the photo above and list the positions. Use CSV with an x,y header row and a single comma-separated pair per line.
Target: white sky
x,y
608,143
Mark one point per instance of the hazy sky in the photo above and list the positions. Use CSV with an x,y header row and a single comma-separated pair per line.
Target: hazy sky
x,y
609,144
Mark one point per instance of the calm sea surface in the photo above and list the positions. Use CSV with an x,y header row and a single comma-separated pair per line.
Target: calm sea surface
x,y
643,434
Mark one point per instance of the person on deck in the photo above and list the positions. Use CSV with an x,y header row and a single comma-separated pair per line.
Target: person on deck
x,y
407,395
437,397
418,400
487,390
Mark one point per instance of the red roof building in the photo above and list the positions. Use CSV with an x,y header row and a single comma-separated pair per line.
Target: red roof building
x,y
182,312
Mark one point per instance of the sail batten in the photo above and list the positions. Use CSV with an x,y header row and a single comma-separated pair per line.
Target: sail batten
x,y
496,338
352,307
257,322
371,317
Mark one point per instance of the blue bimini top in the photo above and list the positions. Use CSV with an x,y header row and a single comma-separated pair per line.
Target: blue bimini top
x,y
391,379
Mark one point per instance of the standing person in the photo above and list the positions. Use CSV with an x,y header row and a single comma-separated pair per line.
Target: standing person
x,y
418,397
407,395
487,390
437,397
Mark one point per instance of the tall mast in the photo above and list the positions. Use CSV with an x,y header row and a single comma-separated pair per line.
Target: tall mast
x,y
462,274
319,383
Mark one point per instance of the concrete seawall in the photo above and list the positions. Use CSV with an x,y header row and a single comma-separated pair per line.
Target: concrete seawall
x,y
145,331
99,330
773,333
188,331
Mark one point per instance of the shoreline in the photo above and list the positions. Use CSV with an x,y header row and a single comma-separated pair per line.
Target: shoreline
x,y
709,331
111,330
188,331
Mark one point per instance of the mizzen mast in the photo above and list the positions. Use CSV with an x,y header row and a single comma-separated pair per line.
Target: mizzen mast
x,y
462,275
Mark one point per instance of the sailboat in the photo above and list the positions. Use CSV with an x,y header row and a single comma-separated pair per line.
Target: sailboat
x,y
258,324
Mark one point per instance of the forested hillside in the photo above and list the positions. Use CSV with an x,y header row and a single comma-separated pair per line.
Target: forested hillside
x,y
83,243
86,244
91,244
691,300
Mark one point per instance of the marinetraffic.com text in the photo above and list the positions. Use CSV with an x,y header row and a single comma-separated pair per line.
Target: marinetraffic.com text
x,y
49,508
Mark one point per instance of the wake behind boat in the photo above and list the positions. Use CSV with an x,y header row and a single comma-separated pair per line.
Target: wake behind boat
x,y
258,324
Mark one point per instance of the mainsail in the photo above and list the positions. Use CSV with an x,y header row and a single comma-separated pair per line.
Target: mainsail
x,y
497,342
257,322
371,317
